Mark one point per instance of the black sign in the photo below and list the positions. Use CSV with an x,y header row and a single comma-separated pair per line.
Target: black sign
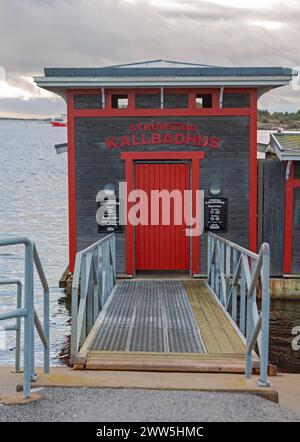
x,y
110,218
215,214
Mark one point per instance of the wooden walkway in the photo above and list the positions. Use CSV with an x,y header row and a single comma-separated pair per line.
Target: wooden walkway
x,y
163,326
216,327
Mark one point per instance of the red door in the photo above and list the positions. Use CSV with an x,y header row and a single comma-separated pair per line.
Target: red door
x,y
160,246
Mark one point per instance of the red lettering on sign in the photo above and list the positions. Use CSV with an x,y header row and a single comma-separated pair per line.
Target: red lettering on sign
x,y
144,140
167,139
134,141
124,141
214,143
111,142
156,138
179,139
203,141
156,133
191,139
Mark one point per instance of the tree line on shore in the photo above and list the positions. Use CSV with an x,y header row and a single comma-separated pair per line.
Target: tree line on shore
x,y
285,119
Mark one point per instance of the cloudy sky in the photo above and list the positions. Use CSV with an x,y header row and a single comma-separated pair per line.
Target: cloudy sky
x,y
39,33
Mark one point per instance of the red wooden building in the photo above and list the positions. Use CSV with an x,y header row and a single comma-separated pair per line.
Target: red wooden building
x,y
163,125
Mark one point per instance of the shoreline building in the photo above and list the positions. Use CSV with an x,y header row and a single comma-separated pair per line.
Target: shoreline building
x,y
164,125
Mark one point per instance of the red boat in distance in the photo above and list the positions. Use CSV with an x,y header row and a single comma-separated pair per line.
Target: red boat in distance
x,y
59,121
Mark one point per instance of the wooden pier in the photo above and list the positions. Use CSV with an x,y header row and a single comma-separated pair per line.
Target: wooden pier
x,y
145,323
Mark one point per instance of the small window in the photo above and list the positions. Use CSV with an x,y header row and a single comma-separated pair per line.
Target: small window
x,y
203,100
147,101
119,101
236,100
176,101
87,101
296,169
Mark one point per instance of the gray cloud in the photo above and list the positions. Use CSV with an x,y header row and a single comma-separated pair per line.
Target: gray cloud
x,y
36,33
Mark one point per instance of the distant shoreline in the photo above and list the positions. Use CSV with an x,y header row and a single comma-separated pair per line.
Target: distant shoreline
x,y
260,125
25,119
275,126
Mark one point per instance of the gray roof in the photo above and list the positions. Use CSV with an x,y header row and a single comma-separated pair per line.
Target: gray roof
x,y
162,68
286,145
164,73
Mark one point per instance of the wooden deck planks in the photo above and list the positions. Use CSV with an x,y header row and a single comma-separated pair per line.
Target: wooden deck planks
x,y
225,350
217,332
170,362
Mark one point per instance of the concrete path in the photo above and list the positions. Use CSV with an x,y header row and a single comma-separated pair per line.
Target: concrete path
x,y
149,396
100,405
66,377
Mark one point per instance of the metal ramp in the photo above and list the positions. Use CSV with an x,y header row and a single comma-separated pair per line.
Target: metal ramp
x,y
163,326
168,325
149,316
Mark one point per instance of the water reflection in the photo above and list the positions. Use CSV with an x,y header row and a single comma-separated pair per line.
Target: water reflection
x,y
284,316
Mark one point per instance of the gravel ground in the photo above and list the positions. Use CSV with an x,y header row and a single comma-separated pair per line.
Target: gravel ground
x,y
100,405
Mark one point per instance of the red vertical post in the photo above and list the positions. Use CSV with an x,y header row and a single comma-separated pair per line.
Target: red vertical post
x,y
253,172
288,225
71,181
216,100
192,100
195,239
129,226
131,101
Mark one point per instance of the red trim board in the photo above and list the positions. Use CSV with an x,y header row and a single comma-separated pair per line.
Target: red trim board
x,y
71,182
290,186
253,173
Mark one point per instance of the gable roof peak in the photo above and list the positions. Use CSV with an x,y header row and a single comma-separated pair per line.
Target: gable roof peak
x,y
161,64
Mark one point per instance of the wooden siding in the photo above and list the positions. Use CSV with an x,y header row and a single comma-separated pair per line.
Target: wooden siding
x,y
296,233
297,170
87,101
147,101
273,212
227,166
176,101
231,100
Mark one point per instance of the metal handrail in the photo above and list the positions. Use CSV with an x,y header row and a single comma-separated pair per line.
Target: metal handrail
x,y
232,269
29,314
93,280
17,326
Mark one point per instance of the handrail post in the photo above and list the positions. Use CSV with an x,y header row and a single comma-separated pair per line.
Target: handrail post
x,y
265,276
29,320
113,240
212,263
46,307
254,326
17,326
94,278
46,331
18,330
208,256
227,269
235,260
243,301
74,306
